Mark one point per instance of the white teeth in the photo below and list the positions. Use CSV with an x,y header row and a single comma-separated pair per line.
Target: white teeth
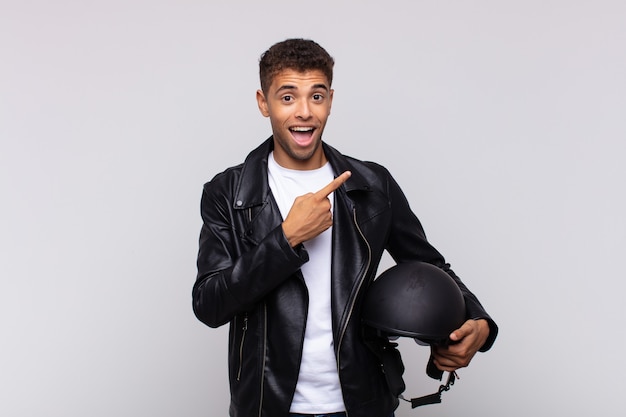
x,y
301,129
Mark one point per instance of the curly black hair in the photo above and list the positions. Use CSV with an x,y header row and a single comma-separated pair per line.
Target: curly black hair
x,y
296,54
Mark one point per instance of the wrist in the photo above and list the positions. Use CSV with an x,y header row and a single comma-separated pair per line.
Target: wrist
x,y
293,241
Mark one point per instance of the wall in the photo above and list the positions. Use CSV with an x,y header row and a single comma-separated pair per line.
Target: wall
x,y
503,121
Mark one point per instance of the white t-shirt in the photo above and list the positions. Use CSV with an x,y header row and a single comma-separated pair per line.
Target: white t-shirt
x,y
318,389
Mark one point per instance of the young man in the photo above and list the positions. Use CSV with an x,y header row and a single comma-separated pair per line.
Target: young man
x,y
291,240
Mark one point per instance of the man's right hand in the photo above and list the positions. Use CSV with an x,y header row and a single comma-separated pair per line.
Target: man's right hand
x,y
311,213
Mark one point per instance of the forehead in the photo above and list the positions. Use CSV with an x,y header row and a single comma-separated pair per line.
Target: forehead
x,y
299,79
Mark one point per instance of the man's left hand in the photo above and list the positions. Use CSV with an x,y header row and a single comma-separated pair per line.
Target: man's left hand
x,y
466,341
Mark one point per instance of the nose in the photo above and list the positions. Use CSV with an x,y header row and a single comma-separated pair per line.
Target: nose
x,y
303,111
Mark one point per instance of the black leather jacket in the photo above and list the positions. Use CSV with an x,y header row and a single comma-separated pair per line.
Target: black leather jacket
x,y
249,276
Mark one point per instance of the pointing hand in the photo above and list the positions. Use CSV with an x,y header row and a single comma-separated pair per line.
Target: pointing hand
x,y
310,214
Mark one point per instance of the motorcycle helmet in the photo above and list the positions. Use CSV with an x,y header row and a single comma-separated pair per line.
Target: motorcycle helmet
x,y
417,300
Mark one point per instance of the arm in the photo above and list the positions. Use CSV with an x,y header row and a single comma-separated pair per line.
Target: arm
x,y
408,242
233,272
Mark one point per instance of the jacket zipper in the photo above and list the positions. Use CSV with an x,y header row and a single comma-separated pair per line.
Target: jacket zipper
x,y
244,329
369,260
243,338
264,356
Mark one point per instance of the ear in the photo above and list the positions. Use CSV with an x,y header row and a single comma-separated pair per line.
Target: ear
x,y
262,103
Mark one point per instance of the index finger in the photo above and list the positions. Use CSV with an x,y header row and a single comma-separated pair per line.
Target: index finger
x,y
333,185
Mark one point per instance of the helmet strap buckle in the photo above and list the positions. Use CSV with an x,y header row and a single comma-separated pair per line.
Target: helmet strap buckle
x,y
433,398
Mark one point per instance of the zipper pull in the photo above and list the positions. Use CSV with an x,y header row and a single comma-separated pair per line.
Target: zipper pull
x,y
244,328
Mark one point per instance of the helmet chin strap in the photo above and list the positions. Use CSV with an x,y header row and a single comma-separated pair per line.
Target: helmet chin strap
x,y
432,398
393,368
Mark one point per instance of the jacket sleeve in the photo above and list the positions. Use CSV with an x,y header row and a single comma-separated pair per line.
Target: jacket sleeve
x,y
407,242
233,273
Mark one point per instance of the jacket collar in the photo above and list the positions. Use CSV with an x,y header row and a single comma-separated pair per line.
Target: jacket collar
x,y
253,187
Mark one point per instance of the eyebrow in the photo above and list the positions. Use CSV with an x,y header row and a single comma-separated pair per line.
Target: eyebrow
x,y
293,87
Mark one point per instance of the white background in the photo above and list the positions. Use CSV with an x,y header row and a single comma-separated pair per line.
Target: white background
x,y
504,122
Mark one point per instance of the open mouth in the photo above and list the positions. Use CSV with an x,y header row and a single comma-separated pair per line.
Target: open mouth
x,y
302,134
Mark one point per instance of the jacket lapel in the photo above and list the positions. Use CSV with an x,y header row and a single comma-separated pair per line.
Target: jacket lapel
x,y
253,197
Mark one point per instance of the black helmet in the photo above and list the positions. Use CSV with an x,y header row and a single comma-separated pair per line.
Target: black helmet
x,y
417,300
413,299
